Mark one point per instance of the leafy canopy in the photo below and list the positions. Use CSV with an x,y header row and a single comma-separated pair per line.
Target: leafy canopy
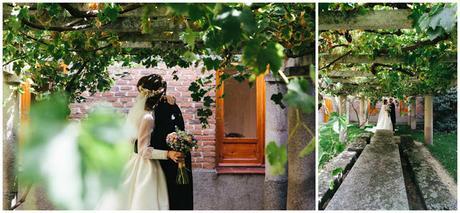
x,y
425,52
68,47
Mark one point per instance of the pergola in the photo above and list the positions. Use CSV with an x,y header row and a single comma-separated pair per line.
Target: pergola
x,y
166,34
128,25
373,20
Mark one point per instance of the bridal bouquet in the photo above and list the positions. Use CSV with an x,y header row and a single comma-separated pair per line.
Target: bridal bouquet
x,y
181,141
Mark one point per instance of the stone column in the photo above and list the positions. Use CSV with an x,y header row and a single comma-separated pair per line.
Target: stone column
x,y
428,118
275,186
362,112
10,139
301,170
343,111
413,113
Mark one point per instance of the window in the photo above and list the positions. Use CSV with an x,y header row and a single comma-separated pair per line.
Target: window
x,y
240,128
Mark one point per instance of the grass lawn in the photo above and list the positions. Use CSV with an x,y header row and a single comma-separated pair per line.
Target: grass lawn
x,y
353,132
444,147
327,150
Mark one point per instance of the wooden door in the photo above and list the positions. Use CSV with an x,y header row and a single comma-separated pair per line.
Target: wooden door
x,y
240,123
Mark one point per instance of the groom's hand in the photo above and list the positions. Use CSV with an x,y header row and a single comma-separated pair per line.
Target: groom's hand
x,y
170,99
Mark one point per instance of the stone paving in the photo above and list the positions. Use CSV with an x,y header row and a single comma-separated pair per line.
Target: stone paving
x,y
376,181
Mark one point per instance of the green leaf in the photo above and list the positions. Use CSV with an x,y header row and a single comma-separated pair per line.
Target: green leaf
x,y
111,12
189,37
337,171
277,157
189,56
298,97
258,57
312,73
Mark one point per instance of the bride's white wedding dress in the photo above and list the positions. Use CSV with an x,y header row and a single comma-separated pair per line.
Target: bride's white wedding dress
x,y
384,120
144,184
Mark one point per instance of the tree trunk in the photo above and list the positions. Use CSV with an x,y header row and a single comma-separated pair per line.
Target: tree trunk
x,y
301,170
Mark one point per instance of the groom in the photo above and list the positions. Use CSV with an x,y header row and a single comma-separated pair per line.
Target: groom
x,y
393,113
167,117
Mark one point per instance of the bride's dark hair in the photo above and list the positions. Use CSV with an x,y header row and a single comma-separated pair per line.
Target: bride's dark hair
x,y
153,82
385,101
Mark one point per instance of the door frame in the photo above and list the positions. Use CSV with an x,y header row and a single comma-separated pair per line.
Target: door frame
x,y
259,161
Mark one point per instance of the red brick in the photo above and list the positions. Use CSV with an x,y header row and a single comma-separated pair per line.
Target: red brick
x,y
122,96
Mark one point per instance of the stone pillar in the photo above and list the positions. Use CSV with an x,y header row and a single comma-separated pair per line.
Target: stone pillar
x,y
275,186
362,112
321,113
428,118
10,139
301,170
413,113
409,105
343,111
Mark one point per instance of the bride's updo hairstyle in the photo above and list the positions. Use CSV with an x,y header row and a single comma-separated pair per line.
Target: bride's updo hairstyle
x,y
154,88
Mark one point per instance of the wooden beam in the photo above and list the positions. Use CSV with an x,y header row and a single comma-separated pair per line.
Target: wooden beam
x,y
158,11
349,73
367,59
151,37
133,24
373,20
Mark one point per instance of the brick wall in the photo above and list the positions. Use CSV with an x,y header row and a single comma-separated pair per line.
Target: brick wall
x,y
123,94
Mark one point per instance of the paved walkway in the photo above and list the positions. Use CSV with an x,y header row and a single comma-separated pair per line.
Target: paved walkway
x,y
376,180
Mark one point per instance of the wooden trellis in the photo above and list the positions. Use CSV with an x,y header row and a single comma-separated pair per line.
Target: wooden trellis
x,y
373,20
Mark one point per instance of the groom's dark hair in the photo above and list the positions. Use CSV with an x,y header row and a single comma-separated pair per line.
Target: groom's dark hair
x,y
153,82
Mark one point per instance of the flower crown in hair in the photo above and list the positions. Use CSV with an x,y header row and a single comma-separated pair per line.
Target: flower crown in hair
x,y
150,93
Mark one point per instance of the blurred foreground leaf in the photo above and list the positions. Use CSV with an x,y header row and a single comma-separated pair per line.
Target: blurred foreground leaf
x,y
298,97
76,162
277,157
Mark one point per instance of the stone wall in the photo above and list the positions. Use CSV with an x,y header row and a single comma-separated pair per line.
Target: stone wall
x,y
214,191
123,93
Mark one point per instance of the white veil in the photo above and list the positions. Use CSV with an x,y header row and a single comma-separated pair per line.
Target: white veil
x,y
380,119
135,115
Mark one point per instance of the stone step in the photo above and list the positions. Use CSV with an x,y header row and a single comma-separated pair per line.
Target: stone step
x,y
438,189
344,160
375,182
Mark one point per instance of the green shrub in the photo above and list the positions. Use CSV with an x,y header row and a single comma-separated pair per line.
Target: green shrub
x,y
445,111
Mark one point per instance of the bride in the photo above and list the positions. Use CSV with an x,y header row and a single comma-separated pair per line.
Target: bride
x,y
384,120
143,184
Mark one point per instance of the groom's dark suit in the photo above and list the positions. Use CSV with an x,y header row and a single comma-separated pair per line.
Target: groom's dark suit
x,y
393,114
167,117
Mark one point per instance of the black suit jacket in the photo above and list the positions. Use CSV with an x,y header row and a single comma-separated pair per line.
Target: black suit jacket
x,y
167,117
393,112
